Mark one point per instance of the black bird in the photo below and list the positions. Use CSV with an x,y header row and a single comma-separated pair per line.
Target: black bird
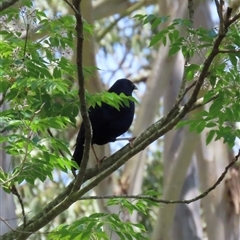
x,y
107,122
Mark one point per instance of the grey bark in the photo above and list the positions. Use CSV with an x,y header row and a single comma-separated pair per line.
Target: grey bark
x,y
7,205
182,221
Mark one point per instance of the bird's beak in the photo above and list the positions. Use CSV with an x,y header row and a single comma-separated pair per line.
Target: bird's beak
x,y
135,87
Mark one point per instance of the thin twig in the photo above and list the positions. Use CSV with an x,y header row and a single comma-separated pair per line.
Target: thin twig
x,y
6,222
187,60
157,200
200,102
120,64
229,51
12,229
72,7
15,192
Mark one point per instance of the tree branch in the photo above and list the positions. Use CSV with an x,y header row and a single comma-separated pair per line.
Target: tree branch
x,y
232,20
219,7
6,4
6,222
229,51
83,105
15,192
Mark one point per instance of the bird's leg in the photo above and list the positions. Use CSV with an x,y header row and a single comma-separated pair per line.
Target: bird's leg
x,y
128,139
74,173
98,161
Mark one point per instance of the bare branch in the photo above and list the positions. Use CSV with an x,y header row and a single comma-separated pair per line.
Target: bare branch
x,y
83,105
200,102
229,51
15,192
233,19
219,7
6,222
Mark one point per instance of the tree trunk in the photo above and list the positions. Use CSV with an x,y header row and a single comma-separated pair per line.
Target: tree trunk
x,y
7,205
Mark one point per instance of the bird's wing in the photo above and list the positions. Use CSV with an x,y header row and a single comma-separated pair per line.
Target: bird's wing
x,y
108,123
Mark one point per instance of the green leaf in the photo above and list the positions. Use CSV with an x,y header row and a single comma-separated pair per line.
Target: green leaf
x,y
230,115
139,16
98,215
152,193
149,18
212,33
173,36
157,38
216,107
173,50
208,95
211,124
200,126
12,94
86,235
183,123
191,71
57,73
159,20
4,85
210,136
114,201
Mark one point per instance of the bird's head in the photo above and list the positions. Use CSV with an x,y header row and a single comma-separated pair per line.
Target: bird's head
x,y
123,86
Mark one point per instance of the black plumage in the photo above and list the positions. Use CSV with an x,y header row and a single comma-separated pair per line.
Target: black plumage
x,y
107,122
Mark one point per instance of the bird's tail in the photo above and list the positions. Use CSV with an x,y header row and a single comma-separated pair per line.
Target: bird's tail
x,y
78,153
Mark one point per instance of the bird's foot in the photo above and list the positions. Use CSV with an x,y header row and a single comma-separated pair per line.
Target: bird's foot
x,y
100,161
131,141
128,139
